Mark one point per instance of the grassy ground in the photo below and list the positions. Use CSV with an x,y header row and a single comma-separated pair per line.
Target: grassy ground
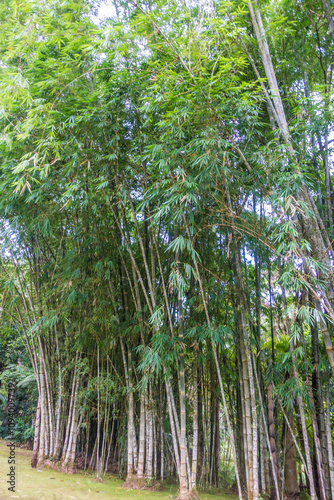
x,y
32,484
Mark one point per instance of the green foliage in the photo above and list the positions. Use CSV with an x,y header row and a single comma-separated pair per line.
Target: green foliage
x,y
25,398
138,166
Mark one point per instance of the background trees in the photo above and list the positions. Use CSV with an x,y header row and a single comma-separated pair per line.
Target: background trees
x,y
166,231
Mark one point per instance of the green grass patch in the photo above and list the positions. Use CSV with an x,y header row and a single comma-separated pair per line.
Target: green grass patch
x,y
51,485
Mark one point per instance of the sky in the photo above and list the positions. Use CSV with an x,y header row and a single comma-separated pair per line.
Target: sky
x,y
106,10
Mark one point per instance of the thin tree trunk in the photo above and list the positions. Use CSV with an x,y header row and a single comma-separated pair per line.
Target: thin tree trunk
x,y
246,385
71,446
272,435
149,439
195,431
155,455
316,436
130,424
41,450
162,456
315,164
59,404
184,492
263,450
304,427
130,433
141,456
70,408
110,443
76,425
254,419
172,424
34,457
329,439
319,403
290,463
98,432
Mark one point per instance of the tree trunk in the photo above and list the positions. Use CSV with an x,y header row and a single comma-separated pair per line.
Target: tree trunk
x,y
195,431
290,463
70,409
149,440
141,456
41,450
162,456
304,428
184,492
247,400
172,424
272,436
36,435
130,434
329,439
72,439
319,404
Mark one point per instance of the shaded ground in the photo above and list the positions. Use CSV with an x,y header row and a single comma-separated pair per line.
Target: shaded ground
x,y
50,485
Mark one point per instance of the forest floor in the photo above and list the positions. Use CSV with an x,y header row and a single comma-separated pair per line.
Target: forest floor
x,y
33,484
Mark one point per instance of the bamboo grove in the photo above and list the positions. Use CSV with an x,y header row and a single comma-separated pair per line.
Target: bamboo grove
x,y
166,221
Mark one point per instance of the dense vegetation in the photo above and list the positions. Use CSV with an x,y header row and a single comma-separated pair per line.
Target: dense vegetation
x,y
166,229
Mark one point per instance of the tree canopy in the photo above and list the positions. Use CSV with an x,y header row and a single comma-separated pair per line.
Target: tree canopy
x,y
166,232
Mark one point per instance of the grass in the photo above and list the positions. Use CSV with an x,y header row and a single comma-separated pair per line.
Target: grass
x,y
47,484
